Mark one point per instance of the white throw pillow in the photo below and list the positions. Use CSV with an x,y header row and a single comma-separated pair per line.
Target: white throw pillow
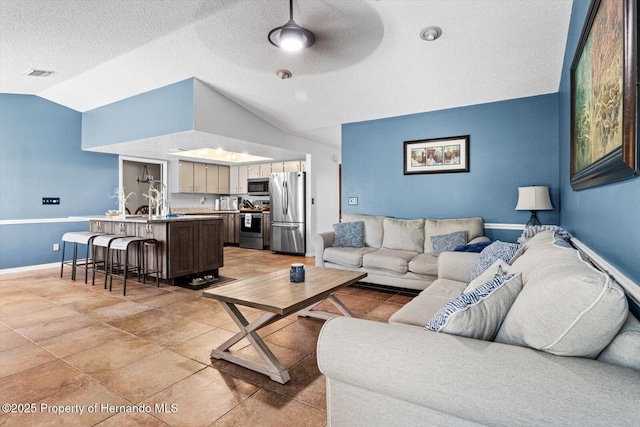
x,y
498,268
479,313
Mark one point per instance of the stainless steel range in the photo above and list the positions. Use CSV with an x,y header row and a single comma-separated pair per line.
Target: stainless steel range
x,y
251,230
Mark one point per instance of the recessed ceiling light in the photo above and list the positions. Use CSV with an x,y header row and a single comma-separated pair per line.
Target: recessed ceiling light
x,y
430,33
283,74
37,73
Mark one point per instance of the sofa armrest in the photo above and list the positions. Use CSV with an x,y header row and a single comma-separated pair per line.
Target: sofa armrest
x,y
480,381
479,239
456,265
319,242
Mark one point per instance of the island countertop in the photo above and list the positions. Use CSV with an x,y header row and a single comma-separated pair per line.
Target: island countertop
x,y
144,219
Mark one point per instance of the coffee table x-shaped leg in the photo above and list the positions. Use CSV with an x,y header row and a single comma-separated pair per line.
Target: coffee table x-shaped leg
x,y
273,367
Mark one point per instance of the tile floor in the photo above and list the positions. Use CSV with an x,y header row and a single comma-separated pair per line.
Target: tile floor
x,y
67,346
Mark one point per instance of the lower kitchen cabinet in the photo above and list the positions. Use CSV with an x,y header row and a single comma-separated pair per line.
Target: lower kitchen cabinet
x,y
158,232
231,227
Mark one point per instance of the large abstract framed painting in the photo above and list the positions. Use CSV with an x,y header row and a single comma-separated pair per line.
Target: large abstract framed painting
x,y
440,155
604,106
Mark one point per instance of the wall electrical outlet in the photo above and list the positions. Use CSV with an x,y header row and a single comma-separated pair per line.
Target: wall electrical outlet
x,y
56,247
51,200
352,200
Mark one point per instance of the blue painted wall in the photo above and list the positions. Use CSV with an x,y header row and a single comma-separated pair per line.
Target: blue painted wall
x,y
605,218
40,156
512,143
162,111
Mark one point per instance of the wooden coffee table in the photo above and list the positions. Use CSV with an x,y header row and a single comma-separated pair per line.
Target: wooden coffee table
x,y
278,297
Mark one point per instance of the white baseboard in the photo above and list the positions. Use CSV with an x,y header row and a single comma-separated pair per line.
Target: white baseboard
x,y
29,268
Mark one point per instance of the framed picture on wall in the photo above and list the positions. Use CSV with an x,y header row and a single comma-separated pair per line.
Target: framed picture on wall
x,y
604,110
441,155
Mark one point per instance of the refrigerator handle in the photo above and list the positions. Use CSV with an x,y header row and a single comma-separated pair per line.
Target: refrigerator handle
x,y
285,198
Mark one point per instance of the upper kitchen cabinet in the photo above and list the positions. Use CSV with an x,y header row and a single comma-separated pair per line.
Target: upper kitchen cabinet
x,y
238,179
295,166
261,170
201,178
217,179
253,171
224,180
265,170
184,177
277,167
191,177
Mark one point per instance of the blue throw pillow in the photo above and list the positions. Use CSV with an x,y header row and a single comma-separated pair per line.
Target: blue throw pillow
x,y
446,242
472,247
495,251
349,234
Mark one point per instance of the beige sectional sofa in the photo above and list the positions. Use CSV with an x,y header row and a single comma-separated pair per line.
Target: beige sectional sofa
x,y
396,252
559,356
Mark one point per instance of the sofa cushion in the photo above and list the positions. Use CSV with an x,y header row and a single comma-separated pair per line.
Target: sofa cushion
x,y
479,313
422,308
498,250
566,307
403,234
349,234
624,350
539,249
346,256
446,242
424,264
372,228
435,227
387,259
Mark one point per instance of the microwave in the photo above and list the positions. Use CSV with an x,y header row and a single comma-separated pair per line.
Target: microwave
x,y
258,186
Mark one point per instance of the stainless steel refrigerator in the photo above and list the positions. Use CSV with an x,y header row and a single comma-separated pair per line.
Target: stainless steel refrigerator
x,y
287,203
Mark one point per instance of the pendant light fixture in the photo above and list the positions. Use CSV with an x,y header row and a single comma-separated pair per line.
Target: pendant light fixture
x,y
291,36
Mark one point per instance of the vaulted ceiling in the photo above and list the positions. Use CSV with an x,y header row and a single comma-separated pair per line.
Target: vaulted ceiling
x,y
368,61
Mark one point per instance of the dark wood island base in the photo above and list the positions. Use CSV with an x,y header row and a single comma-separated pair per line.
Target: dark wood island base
x,y
190,247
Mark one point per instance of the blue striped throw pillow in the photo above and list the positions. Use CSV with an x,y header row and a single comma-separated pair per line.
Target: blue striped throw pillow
x,y
479,313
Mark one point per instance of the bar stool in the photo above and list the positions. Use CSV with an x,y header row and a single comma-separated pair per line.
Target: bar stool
x,y
139,244
78,237
102,241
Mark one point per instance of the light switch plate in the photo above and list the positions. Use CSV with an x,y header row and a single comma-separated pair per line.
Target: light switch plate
x,y
353,200
51,200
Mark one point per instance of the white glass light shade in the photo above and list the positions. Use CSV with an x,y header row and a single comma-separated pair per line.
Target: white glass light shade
x,y
535,198
291,39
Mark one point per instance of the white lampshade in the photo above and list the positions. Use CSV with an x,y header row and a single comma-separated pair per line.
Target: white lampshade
x,y
535,198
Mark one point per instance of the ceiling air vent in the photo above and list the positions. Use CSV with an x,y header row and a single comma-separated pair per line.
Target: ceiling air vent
x,y
37,73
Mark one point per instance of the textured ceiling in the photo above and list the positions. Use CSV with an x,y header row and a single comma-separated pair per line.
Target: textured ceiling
x,y
368,62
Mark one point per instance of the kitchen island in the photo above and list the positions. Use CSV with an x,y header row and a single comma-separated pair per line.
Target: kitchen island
x,y
191,246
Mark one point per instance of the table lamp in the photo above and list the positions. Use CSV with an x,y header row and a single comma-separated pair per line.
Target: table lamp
x,y
534,198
